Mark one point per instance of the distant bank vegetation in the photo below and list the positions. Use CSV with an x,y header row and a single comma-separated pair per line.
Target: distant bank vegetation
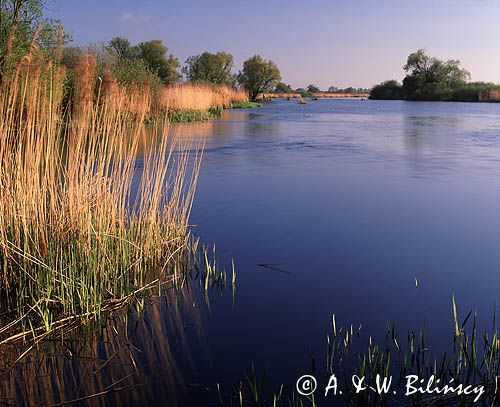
x,y
313,91
209,85
429,78
319,95
198,89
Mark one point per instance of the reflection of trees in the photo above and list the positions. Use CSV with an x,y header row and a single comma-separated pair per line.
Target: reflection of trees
x,y
131,358
432,133
256,128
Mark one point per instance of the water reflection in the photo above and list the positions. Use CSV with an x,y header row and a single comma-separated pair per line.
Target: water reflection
x,y
432,143
133,358
357,200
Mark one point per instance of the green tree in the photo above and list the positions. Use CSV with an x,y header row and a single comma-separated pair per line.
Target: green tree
x,y
211,68
154,54
304,93
430,78
259,75
283,88
388,90
313,89
19,21
122,48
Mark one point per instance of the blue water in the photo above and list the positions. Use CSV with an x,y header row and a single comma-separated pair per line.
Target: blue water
x,y
350,201
373,211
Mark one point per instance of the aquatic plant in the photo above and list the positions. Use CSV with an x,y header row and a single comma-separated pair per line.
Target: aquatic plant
x,y
245,104
92,210
193,115
122,357
472,359
198,96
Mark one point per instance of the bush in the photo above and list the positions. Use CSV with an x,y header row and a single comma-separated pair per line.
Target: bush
x,y
129,72
470,92
388,90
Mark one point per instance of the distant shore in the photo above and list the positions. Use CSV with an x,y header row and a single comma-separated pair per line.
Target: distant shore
x,y
322,95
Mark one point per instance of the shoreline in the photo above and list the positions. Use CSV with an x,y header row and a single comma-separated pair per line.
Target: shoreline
x,y
274,95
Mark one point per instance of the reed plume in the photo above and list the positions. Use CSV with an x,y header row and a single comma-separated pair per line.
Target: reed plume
x,y
85,219
199,96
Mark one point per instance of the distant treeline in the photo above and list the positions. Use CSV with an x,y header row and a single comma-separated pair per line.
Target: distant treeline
x,y
24,29
312,90
432,79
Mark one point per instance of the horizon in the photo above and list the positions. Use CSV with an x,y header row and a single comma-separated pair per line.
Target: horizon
x,y
348,36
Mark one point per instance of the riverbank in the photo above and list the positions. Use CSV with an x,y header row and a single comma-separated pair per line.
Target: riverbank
x,y
80,229
463,94
188,102
321,95
431,79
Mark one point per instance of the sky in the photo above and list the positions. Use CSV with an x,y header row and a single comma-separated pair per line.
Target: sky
x,y
324,42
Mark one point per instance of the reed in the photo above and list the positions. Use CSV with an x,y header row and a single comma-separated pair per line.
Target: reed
x,y
80,226
473,358
192,97
133,356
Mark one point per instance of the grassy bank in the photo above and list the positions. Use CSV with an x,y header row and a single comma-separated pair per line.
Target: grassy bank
x,y
193,115
181,102
193,101
245,104
80,229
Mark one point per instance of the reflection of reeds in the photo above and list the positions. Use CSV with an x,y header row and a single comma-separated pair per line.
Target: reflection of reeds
x,y
131,359
75,234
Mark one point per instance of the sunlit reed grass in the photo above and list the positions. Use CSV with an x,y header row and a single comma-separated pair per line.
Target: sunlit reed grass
x,y
198,96
77,230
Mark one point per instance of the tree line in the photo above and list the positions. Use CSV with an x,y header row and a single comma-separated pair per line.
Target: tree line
x,y
22,25
310,90
430,78
258,74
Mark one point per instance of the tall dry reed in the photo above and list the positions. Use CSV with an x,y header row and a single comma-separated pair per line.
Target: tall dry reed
x,y
80,224
198,96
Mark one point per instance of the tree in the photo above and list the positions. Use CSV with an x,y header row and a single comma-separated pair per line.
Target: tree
x,y
211,68
171,70
388,90
283,88
429,78
122,47
153,53
259,75
304,93
313,89
19,20
135,71
333,89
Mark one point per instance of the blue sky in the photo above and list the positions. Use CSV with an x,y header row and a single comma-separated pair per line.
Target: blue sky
x,y
325,42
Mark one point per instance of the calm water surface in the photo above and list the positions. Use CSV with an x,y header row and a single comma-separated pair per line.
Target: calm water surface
x,y
346,203
352,200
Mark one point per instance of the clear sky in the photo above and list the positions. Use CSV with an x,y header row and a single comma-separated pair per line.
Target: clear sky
x,y
325,42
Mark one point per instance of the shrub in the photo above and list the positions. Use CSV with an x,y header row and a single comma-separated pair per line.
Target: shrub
x,y
390,90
